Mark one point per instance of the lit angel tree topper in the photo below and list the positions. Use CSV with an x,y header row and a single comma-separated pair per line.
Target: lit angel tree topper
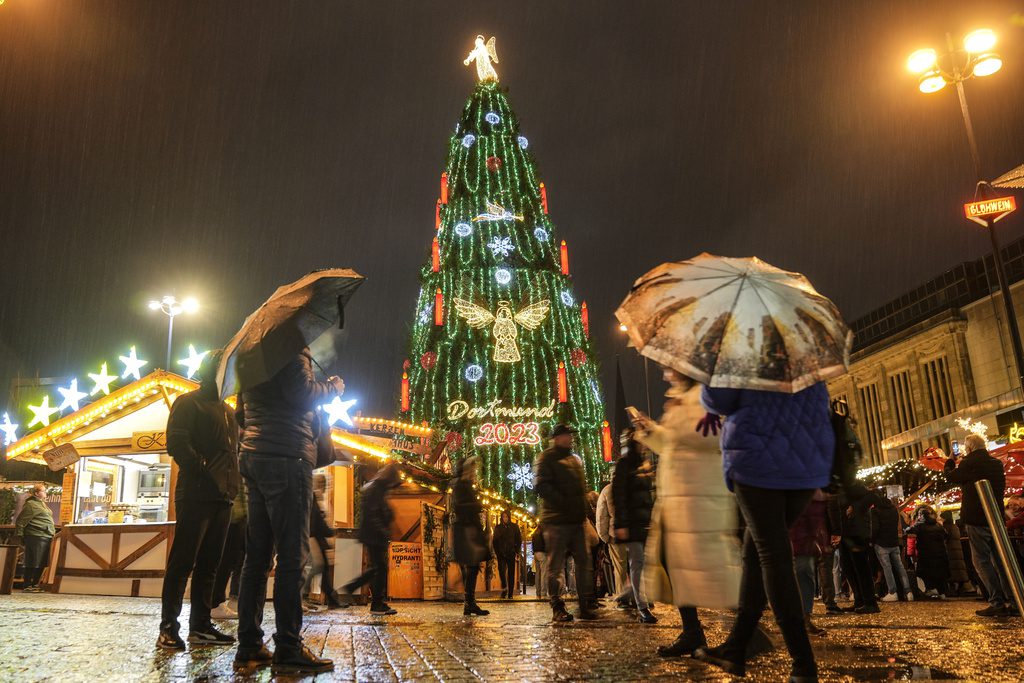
x,y
500,350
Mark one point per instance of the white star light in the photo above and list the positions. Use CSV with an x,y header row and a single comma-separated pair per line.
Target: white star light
x,y
501,246
193,361
72,396
132,365
521,476
42,412
337,410
102,381
9,429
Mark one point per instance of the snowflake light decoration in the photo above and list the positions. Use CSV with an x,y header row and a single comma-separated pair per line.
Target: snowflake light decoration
x,y
541,234
566,298
501,246
521,476
463,229
474,373
427,314
468,140
523,142
492,118
503,276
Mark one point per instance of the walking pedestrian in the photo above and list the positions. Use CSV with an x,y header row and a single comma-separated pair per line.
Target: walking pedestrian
x,y
852,507
202,438
633,495
34,526
468,537
375,534
930,551
320,535
278,454
959,579
229,572
808,536
540,561
777,448
507,542
885,528
828,563
617,554
562,487
976,466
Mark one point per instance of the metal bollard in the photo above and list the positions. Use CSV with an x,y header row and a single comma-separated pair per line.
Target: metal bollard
x,y
1006,555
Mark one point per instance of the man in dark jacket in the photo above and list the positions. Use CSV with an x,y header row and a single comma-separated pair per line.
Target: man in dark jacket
x,y
374,534
885,525
278,454
202,437
632,503
976,466
855,515
507,542
562,488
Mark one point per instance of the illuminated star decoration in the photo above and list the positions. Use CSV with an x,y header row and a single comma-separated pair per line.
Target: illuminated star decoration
x,y
193,361
521,476
42,412
132,365
9,429
337,410
501,246
72,396
102,381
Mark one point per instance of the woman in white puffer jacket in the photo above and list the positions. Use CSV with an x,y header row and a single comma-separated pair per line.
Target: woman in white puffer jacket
x,y
692,556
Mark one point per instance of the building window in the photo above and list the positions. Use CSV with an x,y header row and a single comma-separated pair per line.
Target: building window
x,y
871,411
938,388
902,401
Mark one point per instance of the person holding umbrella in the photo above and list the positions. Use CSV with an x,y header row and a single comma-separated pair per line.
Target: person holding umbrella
x,y
269,364
761,340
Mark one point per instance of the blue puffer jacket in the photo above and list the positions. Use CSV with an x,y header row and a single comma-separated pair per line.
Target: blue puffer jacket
x,y
774,440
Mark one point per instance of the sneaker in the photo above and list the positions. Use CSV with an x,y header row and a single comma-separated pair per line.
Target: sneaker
x,y
910,597
170,640
647,618
560,615
223,611
891,597
474,610
932,593
623,604
299,660
247,657
382,609
992,612
684,645
716,657
209,635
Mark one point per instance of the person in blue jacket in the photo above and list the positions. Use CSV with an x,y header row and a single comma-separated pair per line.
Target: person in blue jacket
x,y
777,448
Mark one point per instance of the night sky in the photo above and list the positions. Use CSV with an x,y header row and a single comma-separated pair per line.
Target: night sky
x,y
218,149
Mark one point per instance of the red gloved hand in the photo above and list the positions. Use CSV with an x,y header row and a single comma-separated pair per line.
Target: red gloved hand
x,y
710,422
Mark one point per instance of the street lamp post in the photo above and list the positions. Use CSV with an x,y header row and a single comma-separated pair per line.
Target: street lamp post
x,y
975,59
172,307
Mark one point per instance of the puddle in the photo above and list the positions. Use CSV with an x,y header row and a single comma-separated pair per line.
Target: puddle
x,y
895,672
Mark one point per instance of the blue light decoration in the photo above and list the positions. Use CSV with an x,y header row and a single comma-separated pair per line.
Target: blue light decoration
x,y
72,396
474,373
337,411
503,276
501,246
10,429
463,229
468,139
523,142
521,476
566,298
427,314
541,234
492,118
594,389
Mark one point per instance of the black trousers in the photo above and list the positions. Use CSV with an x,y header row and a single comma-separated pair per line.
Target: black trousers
x,y
37,557
469,574
856,566
199,533
507,574
376,574
230,568
768,573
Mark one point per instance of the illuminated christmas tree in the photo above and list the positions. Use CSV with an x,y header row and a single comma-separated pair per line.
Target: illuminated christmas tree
x,y
500,350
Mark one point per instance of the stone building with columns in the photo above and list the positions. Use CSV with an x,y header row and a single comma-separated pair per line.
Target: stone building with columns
x,y
937,353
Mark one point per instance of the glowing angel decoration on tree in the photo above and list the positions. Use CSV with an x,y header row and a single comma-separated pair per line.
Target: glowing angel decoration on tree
x,y
506,350
483,54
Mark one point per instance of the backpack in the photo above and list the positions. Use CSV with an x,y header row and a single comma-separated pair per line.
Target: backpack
x,y
846,459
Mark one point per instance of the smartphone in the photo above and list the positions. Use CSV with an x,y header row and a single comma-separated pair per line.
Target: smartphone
x,y
633,413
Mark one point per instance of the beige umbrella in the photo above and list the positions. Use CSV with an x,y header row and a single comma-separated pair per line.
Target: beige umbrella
x,y
737,322
1011,179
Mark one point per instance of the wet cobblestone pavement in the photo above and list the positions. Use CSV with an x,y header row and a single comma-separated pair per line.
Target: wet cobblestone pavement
x,y
46,637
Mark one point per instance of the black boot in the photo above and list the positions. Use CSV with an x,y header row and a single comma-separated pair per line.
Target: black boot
x,y
247,656
558,612
684,645
474,610
299,660
717,656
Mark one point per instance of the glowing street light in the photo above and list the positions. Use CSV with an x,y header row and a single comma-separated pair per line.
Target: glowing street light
x,y
171,307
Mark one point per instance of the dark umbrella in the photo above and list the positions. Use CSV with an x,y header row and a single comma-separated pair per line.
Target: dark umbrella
x,y
289,321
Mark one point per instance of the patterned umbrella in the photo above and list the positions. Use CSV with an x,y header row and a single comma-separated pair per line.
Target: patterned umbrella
x,y
737,322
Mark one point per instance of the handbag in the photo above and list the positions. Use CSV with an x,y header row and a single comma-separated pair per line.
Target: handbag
x,y
324,444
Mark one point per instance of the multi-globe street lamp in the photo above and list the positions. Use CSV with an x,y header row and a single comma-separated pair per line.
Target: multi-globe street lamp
x,y
171,307
976,58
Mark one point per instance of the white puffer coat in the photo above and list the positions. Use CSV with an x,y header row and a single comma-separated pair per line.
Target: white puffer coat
x,y
692,555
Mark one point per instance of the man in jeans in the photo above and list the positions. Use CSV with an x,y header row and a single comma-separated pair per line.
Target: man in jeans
x,y
562,488
974,467
632,504
278,453
202,437
885,522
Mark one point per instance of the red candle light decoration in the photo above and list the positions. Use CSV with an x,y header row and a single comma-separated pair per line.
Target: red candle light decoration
x,y
585,317
444,188
405,392
563,384
437,216
544,198
435,256
606,441
438,308
565,258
